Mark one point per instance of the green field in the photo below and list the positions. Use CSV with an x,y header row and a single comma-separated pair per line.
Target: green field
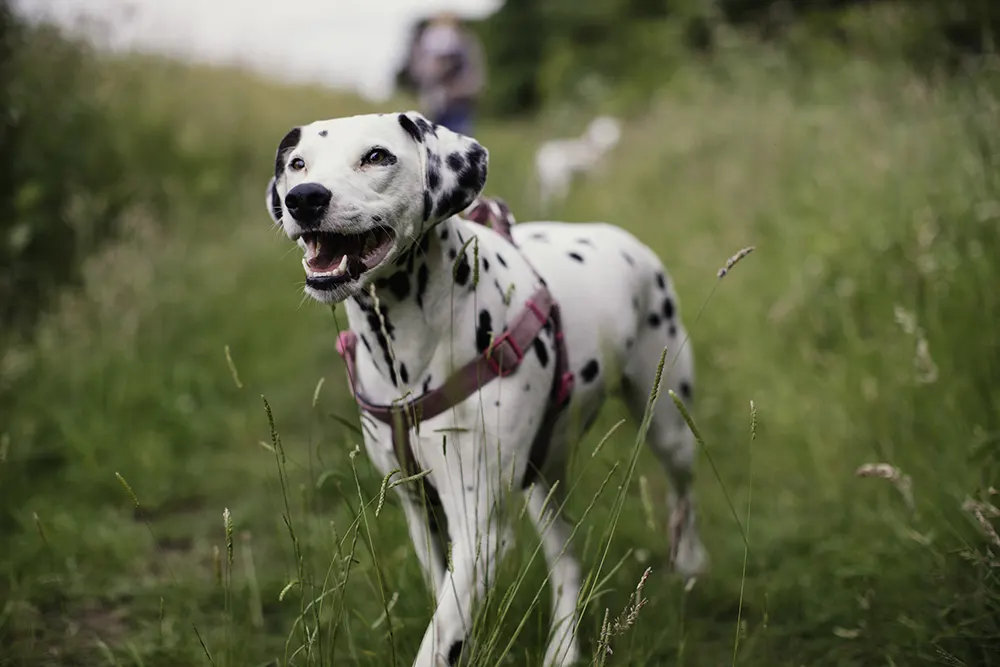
x,y
863,328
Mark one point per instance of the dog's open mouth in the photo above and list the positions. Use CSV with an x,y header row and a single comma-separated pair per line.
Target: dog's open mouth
x,y
333,258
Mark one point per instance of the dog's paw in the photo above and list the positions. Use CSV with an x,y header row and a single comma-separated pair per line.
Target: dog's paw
x,y
688,557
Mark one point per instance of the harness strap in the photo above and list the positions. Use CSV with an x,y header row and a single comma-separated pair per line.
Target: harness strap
x,y
501,359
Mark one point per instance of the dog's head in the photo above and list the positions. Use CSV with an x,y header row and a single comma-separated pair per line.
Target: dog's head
x,y
604,132
356,193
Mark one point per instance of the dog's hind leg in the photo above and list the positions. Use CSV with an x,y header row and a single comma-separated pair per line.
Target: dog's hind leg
x,y
564,574
669,436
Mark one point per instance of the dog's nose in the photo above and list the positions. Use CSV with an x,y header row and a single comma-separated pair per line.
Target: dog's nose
x,y
308,202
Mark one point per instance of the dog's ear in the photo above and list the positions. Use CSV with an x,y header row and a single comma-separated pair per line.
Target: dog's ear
x,y
288,143
456,166
273,201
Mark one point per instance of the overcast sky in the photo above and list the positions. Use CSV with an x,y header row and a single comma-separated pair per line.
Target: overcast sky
x,y
346,43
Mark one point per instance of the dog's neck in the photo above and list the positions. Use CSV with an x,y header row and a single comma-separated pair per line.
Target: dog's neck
x,y
409,322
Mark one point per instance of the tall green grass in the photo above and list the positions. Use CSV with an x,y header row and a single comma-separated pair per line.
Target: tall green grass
x,y
862,328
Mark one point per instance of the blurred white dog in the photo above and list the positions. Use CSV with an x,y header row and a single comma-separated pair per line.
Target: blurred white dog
x,y
558,160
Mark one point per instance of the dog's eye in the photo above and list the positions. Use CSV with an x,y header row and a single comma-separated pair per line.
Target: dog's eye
x,y
376,156
298,164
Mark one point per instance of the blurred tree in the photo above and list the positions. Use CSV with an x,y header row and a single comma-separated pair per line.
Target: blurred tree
x,y
514,40
540,50
62,184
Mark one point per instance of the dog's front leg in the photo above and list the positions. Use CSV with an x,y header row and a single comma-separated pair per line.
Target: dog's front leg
x,y
429,539
478,544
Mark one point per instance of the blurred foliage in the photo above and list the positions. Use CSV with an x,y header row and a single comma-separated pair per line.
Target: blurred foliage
x,y
87,145
864,188
64,184
543,51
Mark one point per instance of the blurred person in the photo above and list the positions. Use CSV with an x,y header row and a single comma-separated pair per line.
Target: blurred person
x,y
447,69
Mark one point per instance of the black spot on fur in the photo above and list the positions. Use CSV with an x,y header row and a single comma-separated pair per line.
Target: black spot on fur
x,y
375,325
433,177
424,242
428,206
323,133
629,342
635,302
444,233
589,371
668,308
503,295
547,327
455,162
484,330
672,331
654,320
527,387
543,354
425,127
376,219
288,142
685,390
368,345
411,128
450,203
422,275
463,270
476,154
585,242
538,236
577,256
452,253
427,384
628,258
455,652
661,281
399,285
385,354
502,262
486,264
472,176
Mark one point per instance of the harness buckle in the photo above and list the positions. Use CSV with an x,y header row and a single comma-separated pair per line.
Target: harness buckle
x,y
498,356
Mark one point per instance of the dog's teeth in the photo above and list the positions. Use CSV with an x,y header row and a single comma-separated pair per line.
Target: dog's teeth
x,y
371,246
316,246
340,267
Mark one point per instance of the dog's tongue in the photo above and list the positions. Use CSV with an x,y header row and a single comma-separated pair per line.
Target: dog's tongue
x,y
345,254
325,262
327,252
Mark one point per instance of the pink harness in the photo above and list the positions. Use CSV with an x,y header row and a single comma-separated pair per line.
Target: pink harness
x,y
501,359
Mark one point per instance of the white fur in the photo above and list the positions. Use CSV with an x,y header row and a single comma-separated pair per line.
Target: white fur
x,y
613,306
557,161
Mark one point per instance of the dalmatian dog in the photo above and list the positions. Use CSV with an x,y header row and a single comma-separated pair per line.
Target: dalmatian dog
x,y
373,201
558,161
